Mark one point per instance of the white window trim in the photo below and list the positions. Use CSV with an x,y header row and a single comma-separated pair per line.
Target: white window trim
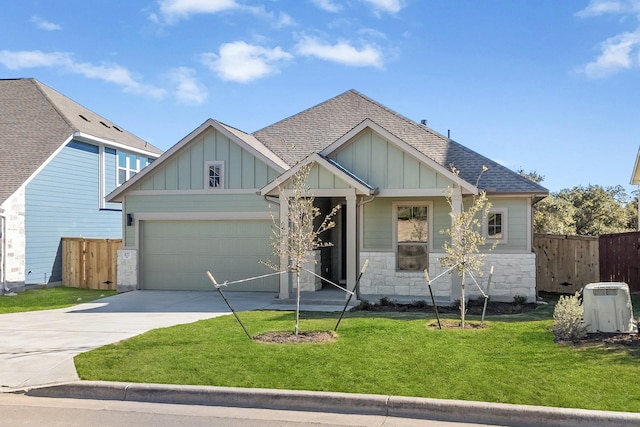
x,y
505,226
394,223
206,175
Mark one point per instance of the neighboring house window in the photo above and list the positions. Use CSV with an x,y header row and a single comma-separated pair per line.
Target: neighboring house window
x,y
129,165
495,226
412,236
214,179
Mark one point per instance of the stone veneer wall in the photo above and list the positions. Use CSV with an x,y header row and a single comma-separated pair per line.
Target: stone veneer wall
x,y
15,238
127,270
514,274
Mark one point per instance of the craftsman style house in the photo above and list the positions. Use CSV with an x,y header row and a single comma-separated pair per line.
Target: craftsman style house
x,y
207,204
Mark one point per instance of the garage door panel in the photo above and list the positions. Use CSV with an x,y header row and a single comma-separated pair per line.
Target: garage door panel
x,y
177,254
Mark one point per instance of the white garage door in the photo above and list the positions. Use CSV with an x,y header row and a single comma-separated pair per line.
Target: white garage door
x,y
177,254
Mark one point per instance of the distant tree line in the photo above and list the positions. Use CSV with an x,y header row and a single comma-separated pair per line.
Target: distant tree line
x,y
585,211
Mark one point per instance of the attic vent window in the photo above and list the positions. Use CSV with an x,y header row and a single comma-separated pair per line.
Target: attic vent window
x,y
117,128
84,118
104,124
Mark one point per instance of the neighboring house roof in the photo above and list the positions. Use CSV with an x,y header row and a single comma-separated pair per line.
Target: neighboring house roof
x,y
36,120
316,128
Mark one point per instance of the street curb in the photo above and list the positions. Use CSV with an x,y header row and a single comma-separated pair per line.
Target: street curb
x,y
364,404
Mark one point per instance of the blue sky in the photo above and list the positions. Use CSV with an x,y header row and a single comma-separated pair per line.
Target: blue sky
x,y
547,85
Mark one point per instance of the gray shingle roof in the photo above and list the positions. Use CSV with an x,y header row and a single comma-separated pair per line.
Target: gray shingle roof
x,y
35,121
314,129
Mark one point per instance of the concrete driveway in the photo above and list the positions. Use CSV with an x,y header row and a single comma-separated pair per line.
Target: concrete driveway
x,y
38,347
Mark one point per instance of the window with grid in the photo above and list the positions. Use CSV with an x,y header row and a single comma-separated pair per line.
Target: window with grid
x,y
495,225
214,175
412,241
129,165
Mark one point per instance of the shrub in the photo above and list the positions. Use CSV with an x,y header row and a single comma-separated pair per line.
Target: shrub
x,y
568,324
364,305
420,304
519,299
385,301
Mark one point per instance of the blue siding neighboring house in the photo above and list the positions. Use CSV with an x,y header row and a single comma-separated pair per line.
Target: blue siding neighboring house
x,y
57,162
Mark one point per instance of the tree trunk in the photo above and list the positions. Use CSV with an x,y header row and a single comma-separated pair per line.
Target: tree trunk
x,y
463,307
297,328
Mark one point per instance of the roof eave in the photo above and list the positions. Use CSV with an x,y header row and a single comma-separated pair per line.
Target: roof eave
x,y
321,161
635,177
117,195
84,137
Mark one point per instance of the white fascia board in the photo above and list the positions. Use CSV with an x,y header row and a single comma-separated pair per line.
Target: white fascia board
x,y
402,145
117,195
635,177
254,146
320,161
83,137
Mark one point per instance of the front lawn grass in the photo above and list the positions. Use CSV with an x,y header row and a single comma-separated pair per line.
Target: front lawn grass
x,y
49,298
514,360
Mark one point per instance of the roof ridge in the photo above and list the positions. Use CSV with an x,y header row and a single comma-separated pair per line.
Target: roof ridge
x,y
400,116
63,116
303,111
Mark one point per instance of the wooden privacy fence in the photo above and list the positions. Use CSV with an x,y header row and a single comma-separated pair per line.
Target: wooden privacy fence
x,y
90,263
565,264
620,259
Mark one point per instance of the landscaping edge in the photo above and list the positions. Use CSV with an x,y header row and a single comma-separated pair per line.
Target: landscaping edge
x,y
364,404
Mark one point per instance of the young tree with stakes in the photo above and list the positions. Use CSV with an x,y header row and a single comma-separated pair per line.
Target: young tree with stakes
x,y
295,237
463,250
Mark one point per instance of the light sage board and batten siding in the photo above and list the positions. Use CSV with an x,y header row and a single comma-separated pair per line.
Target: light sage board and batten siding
x,y
185,171
518,226
378,223
191,203
384,165
320,178
64,200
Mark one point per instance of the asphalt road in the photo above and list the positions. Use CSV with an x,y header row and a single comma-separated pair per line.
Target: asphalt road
x,y
19,410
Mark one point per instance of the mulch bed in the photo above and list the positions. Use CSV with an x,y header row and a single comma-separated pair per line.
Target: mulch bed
x,y
455,324
474,307
290,337
631,341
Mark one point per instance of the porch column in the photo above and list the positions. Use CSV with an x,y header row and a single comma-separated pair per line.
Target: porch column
x,y
285,282
352,250
456,208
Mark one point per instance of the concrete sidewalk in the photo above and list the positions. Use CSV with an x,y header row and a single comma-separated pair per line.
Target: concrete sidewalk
x,y
38,347
363,404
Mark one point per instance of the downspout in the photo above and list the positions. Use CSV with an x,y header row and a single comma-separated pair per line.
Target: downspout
x,y
372,197
3,253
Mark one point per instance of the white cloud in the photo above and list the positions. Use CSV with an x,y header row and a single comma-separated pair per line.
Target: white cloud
x,y
342,52
284,20
328,5
17,60
188,89
111,73
242,62
174,10
621,52
43,24
390,6
601,7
